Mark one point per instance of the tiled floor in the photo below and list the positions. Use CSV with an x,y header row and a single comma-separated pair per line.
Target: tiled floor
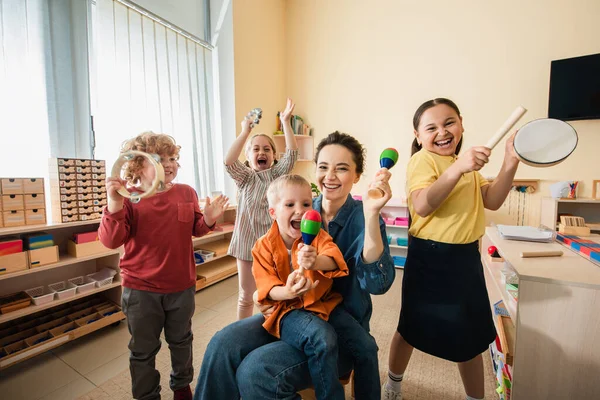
x,y
95,367
81,366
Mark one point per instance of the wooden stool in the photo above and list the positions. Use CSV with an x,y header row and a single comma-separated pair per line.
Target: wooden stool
x,y
309,394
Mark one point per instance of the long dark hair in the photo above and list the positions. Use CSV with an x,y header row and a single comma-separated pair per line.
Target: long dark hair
x,y
415,147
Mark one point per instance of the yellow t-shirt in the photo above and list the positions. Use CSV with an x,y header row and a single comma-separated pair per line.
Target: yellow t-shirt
x,y
460,218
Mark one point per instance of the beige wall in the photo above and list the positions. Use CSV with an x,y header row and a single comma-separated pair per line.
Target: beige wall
x,y
364,66
259,60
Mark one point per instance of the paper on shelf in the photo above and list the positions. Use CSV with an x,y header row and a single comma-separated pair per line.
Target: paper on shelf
x,y
525,233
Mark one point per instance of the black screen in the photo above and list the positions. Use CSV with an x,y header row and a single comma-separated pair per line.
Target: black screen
x,y
575,88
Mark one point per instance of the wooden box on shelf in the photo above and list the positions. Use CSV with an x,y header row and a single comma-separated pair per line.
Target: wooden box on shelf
x,y
495,259
13,302
12,186
33,185
43,256
14,218
13,262
574,230
85,249
35,216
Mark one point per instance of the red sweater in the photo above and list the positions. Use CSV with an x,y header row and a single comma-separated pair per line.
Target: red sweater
x,y
157,234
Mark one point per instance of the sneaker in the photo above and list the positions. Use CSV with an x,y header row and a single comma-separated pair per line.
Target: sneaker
x,y
389,394
183,394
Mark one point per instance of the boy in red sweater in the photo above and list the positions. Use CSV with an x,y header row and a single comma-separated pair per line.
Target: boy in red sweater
x,y
157,267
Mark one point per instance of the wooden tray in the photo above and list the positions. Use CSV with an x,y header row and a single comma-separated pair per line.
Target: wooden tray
x,y
13,302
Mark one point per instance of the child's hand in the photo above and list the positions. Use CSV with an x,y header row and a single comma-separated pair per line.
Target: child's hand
x,y
381,181
286,115
473,159
265,309
307,256
510,156
246,125
297,284
213,210
112,187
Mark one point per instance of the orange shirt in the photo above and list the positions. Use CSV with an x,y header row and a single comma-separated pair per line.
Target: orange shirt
x,y
271,267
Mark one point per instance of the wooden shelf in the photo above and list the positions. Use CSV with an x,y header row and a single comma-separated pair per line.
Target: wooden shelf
x,y
217,270
33,309
509,302
224,229
36,228
65,259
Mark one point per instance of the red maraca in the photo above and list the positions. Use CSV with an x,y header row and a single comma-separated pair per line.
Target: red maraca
x,y
387,159
492,250
310,226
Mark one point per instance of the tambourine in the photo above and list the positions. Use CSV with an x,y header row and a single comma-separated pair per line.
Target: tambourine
x,y
545,142
159,178
541,142
255,115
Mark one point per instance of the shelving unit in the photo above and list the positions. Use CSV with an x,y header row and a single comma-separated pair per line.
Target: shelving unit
x,y
551,333
589,209
40,317
221,265
396,207
306,147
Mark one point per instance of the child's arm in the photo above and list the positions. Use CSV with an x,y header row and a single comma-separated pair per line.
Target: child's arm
x,y
238,144
286,116
296,286
427,200
205,222
115,226
324,257
495,193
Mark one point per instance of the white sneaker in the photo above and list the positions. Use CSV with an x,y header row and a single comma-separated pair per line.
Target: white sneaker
x,y
389,394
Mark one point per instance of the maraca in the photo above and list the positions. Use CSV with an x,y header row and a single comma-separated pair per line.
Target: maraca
x,y
387,159
310,226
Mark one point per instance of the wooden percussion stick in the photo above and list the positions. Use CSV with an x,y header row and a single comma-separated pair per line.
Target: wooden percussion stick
x,y
509,123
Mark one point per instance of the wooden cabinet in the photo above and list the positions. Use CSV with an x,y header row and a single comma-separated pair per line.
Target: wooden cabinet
x,y
589,209
395,215
306,146
554,331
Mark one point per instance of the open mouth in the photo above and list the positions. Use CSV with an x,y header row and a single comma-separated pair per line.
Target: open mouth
x,y
261,161
444,144
295,224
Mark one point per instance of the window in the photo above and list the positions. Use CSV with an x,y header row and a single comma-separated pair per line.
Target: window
x,y
148,76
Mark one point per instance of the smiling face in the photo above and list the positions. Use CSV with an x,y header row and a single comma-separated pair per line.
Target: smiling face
x,y
336,172
440,130
169,164
260,153
291,202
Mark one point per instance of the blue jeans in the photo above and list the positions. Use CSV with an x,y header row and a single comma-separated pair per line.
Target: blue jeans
x,y
314,337
244,360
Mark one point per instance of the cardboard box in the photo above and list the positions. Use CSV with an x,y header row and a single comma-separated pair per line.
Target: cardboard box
x,y
13,202
41,257
35,217
85,249
33,185
34,200
13,262
12,186
14,218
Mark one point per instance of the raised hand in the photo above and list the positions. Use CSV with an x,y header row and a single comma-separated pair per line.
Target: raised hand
x,y
510,155
286,115
215,208
112,187
381,181
307,256
473,159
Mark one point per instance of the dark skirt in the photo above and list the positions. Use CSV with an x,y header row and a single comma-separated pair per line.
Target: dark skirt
x,y
445,305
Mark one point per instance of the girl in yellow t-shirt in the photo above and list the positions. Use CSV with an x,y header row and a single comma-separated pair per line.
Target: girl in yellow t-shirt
x,y
445,306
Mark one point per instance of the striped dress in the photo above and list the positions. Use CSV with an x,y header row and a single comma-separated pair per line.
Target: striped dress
x,y
252,218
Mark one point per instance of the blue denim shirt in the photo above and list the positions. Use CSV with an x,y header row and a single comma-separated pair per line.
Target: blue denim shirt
x,y
348,231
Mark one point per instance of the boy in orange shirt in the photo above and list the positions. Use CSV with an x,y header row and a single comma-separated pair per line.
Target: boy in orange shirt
x,y
296,279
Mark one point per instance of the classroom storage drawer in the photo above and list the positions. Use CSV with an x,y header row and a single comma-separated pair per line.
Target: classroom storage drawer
x,y
13,202
12,186
34,200
37,216
43,256
33,185
13,262
14,218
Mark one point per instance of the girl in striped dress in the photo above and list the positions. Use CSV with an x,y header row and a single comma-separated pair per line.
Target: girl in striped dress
x,y
252,179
